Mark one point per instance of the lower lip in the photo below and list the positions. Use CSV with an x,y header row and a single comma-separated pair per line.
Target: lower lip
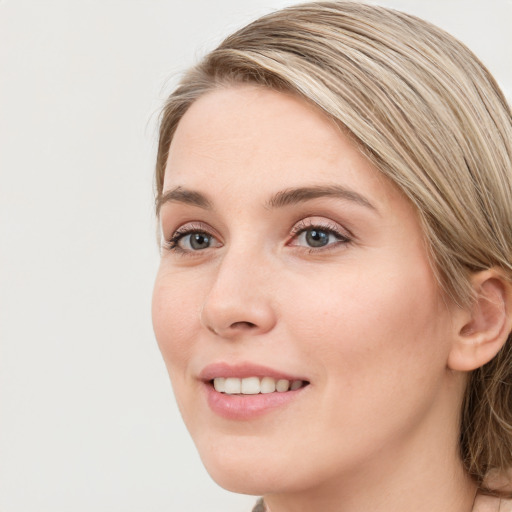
x,y
246,407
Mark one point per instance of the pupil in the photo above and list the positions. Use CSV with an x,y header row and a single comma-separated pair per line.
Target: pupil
x,y
199,241
316,238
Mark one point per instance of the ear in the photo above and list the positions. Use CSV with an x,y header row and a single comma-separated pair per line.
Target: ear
x,y
482,328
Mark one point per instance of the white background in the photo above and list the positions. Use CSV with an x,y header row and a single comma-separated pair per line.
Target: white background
x,y
87,418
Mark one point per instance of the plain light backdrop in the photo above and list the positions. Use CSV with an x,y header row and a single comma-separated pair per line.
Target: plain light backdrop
x,y
87,417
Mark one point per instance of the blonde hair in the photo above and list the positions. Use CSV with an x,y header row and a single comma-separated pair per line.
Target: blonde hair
x,y
431,117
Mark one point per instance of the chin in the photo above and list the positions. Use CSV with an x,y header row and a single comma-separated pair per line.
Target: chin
x,y
240,481
253,471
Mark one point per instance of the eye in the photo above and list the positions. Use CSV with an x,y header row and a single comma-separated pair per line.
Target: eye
x,y
195,241
189,239
317,236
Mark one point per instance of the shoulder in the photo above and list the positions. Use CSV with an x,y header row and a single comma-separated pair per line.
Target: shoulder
x,y
492,504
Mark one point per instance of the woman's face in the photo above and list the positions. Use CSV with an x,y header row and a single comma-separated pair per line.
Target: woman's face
x,y
288,257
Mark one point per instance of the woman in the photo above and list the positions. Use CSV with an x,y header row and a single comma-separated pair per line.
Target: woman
x,y
334,300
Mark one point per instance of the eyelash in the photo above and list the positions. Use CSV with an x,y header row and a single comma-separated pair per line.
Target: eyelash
x,y
329,228
189,229
302,226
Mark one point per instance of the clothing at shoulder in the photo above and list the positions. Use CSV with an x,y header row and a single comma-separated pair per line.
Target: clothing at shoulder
x,y
491,504
260,506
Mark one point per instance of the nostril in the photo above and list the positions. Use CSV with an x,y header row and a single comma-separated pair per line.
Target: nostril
x,y
234,326
243,325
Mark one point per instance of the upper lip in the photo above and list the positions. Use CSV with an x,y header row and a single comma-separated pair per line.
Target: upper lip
x,y
242,370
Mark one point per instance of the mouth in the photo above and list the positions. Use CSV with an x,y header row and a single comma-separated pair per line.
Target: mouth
x,y
246,391
255,385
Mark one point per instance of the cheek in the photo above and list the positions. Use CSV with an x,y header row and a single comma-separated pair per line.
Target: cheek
x,y
175,313
372,328
376,347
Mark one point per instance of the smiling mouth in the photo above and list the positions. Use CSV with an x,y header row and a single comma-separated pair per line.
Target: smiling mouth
x,y
255,385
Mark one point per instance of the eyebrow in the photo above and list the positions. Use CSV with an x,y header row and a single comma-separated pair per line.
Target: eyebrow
x,y
185,196
301,194
281,199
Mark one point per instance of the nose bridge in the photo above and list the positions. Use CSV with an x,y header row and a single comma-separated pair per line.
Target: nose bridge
x,y
240,298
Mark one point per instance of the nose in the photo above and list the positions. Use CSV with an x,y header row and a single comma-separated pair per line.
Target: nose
x,y
239,302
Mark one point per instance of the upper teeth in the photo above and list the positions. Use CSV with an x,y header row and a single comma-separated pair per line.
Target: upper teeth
x,y
254,385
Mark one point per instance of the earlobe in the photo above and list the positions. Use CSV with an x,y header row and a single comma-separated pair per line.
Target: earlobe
x,y
484,326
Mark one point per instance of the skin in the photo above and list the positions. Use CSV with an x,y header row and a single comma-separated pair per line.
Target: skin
x,y
362,318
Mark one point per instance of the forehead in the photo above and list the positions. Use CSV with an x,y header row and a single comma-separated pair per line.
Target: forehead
x,y
255,139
